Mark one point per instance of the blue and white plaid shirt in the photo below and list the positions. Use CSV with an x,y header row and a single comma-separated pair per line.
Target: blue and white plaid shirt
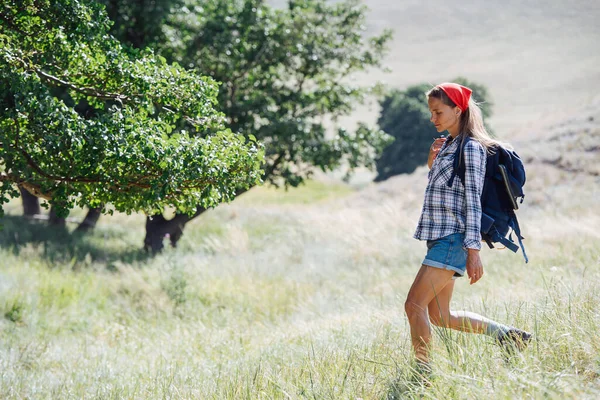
x,y
455,209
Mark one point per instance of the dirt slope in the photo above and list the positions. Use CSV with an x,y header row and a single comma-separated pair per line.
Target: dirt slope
x,y
539,58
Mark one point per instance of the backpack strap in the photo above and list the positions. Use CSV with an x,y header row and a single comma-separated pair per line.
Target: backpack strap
x,y
514,224
495,236
458,166
488,242
509,245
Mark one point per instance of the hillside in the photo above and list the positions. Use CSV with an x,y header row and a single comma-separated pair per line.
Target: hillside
x,y
538,58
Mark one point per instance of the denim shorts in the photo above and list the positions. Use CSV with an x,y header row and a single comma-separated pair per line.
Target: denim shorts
x,y
447,253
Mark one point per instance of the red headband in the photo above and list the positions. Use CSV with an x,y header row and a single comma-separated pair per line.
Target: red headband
x,y
459,94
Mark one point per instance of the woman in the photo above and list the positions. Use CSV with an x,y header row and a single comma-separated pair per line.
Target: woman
x,y
450,222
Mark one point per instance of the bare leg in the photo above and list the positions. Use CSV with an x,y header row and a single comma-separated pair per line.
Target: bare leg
x,y
465,321
428,283
509,337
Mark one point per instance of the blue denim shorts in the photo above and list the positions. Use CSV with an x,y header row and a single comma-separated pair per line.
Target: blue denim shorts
x,y
447,253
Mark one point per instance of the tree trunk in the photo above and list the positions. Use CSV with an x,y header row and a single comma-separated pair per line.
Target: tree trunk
x,y
90,220
31,204
157,228
55,220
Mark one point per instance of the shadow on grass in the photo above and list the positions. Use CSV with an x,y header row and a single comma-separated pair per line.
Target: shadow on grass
x,y
58,244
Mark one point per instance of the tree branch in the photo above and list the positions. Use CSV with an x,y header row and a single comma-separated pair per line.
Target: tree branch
x,y
38,169
92,92
30,187
88,91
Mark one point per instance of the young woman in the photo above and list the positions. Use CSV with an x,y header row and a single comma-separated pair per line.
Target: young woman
x,y
450,222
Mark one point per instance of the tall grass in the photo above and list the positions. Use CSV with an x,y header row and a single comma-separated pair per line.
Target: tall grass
x,y
288,301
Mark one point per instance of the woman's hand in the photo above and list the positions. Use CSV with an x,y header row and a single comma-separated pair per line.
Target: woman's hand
x,y
434,150
474,267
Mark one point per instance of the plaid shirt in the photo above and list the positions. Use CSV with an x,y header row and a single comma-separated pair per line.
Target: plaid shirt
x,y
455,209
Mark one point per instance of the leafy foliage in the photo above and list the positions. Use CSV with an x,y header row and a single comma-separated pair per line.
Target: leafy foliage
x,y
285,76
139,23
405,115
151,138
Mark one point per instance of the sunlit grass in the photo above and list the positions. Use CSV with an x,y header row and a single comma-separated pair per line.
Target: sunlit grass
x,y
312,191
288,301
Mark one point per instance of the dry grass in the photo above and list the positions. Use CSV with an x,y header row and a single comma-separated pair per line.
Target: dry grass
x,y
284,299
279,297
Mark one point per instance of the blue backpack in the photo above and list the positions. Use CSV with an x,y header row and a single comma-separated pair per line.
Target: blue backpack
x,y
502,187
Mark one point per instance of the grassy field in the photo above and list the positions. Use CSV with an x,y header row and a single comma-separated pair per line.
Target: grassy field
x,y
299,294
277,296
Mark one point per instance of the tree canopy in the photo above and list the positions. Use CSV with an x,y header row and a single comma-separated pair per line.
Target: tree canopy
x,y
151,136
405,115
140,23
286,76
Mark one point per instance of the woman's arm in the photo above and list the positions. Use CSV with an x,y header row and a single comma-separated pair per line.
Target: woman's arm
x,y
474,159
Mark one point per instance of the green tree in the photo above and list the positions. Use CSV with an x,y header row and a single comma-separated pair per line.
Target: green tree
x,y
286,77
152,139
284,73
139,23
405,116
136,23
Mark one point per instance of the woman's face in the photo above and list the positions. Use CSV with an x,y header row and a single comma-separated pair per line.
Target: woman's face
x,y
443,116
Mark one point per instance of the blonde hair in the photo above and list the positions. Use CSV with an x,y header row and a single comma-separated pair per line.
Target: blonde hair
x,y
471,121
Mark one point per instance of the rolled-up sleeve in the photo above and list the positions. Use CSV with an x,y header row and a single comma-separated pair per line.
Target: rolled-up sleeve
x,y
474,159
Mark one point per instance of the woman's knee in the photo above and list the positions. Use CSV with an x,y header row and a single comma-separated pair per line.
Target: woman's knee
x,y
414,310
